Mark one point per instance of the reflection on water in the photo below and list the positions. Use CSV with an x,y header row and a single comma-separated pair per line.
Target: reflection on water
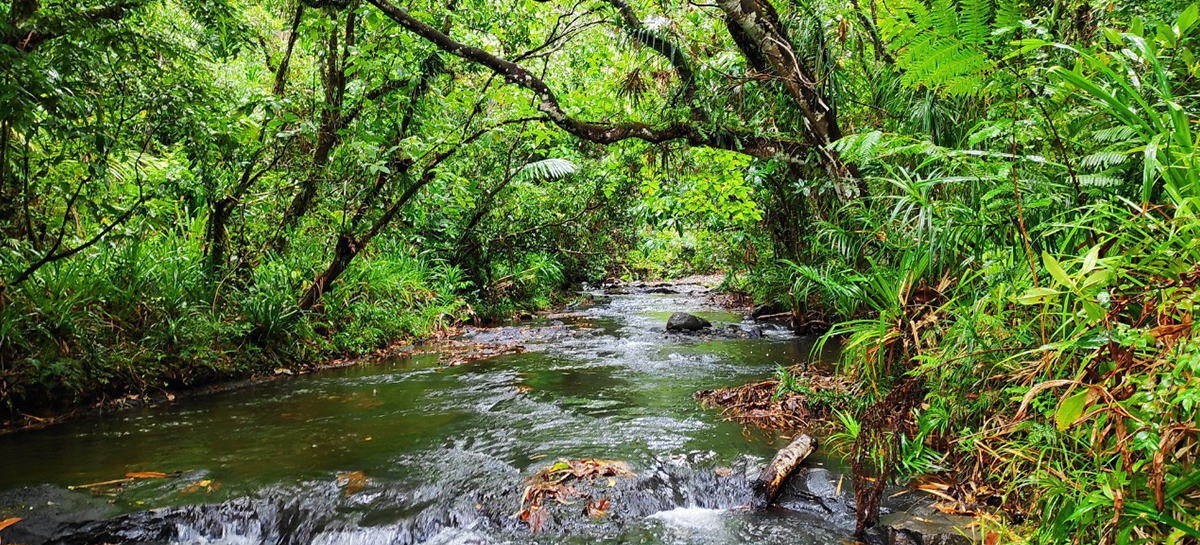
x,y
442,451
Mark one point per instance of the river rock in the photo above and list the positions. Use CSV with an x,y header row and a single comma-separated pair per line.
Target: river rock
x,y
47,511
682,321
887,535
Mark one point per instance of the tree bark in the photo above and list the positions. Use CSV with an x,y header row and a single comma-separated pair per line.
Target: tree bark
x,y
27,39
344,252
868,22
217,235
667,49
334,77
764,38
281,73
770,483
349,246
8,199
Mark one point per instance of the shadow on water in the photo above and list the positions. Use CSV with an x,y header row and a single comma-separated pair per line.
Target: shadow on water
x,y
413,452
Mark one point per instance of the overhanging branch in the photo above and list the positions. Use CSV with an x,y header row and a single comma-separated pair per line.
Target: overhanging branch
x,y
742,142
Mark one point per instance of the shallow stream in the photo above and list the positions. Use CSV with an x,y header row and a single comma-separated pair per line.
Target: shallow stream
x,y
410,451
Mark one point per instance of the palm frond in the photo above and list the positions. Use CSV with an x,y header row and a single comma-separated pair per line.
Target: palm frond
x,y
549,169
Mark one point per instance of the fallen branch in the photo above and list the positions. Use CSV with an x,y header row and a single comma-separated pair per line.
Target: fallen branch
x,y
777,316
785,462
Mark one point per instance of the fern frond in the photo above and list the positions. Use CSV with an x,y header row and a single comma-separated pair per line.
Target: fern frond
x,y
1104,159
1099,180
942,45
1119,133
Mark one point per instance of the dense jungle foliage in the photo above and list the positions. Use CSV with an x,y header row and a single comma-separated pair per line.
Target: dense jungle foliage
x,y
993,203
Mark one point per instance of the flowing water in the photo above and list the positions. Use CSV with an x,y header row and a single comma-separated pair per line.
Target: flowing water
x,y
410,451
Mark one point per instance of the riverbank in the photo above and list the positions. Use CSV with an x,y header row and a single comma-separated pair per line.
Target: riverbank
x,y
248,368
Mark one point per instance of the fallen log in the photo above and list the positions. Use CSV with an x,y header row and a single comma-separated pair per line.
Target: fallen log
x,y
785,462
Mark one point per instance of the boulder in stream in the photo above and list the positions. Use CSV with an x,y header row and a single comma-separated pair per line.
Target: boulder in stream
x,y
887,535
682,321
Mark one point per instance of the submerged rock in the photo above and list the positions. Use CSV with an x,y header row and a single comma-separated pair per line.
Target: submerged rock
x,y
46,511
887,535
682,321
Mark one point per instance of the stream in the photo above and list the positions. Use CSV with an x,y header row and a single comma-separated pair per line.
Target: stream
x,y
411,451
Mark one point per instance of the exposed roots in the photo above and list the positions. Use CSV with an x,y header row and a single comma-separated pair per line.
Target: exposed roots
x,y
878,447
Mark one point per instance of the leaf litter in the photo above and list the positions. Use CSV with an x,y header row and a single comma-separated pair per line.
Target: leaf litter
x,y
562,482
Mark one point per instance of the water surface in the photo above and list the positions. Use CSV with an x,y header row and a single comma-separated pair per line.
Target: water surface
x,y
411,451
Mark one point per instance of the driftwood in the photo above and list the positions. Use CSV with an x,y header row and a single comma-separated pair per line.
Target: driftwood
x,y
785,462
768,317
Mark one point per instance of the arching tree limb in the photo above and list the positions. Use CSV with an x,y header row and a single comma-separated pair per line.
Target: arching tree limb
x,y
762,33
743,142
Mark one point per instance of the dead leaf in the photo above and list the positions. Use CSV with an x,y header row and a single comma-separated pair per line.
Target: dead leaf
x,y
354,482
597,509
8,522
536,516
557,481
208,485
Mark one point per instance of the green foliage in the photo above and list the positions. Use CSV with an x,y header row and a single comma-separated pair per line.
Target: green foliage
x,y
1038,278
1023,237
944,45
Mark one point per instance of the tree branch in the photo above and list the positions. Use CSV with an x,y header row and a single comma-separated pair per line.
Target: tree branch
x,y
754,145
28,39
664,47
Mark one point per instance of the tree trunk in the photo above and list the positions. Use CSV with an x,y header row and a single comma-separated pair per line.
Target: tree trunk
x,y
218,236
281,73
8,201
334,77
346,249
755,28
20,10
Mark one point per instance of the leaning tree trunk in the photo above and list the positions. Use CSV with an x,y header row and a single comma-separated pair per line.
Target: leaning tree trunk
x,y
344,252
756,30
218,233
